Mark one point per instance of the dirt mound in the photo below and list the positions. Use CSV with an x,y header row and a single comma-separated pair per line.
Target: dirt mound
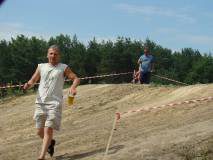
x,y
184,131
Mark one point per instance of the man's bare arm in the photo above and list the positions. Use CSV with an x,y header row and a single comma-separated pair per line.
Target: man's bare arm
x,y
33,80
139,61
152,67
72,76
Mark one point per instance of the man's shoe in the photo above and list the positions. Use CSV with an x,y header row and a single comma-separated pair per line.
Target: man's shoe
x,y
51,147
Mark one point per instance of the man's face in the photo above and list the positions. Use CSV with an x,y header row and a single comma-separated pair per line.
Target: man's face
x,y
146,51
53,56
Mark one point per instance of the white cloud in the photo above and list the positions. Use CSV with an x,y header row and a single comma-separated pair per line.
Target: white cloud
x,y
11,30
107,38
180,39
179,14
85,39
167,31
186,37
197,39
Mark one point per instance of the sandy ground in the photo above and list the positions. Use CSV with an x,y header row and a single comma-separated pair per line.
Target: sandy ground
x,y
183,132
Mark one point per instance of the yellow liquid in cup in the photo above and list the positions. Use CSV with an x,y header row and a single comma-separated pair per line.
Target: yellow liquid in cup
x,y
70,100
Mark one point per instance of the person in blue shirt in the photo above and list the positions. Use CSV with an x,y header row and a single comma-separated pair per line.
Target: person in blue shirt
x,y
146,66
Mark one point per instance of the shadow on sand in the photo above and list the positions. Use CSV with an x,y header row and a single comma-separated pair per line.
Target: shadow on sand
x,y
67,156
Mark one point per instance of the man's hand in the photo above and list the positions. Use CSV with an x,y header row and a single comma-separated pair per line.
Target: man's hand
x,y
73,90
26,86
152,71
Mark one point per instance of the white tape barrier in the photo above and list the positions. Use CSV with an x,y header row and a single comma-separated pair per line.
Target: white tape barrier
x,y
172,80
92,77
123,114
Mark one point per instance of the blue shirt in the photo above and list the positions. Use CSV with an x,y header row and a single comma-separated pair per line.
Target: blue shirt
x,y
146,60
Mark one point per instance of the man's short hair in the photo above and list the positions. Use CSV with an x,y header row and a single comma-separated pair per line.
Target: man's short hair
x,y
55,47
147,48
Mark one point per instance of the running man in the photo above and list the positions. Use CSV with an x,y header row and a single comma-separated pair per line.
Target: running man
x,y
50,97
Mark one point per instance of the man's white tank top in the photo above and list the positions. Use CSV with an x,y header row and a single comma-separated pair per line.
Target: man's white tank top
x,y
50,89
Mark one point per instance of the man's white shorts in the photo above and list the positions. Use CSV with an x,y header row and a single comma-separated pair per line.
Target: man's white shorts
x,y
48,115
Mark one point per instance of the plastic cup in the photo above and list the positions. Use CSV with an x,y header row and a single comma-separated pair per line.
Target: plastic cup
x,y
70,100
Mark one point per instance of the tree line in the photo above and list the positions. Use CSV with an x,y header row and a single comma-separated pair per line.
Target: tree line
x,y
20,56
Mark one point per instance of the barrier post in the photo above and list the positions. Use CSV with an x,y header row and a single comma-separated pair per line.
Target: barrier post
x,y
117,117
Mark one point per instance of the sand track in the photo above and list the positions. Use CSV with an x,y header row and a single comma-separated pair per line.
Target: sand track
x,y
181,132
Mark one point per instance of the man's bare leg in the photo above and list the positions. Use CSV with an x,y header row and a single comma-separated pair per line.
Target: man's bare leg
x,y
47,137
40,132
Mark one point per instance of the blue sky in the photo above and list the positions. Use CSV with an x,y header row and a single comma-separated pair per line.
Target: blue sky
x,y
172,24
